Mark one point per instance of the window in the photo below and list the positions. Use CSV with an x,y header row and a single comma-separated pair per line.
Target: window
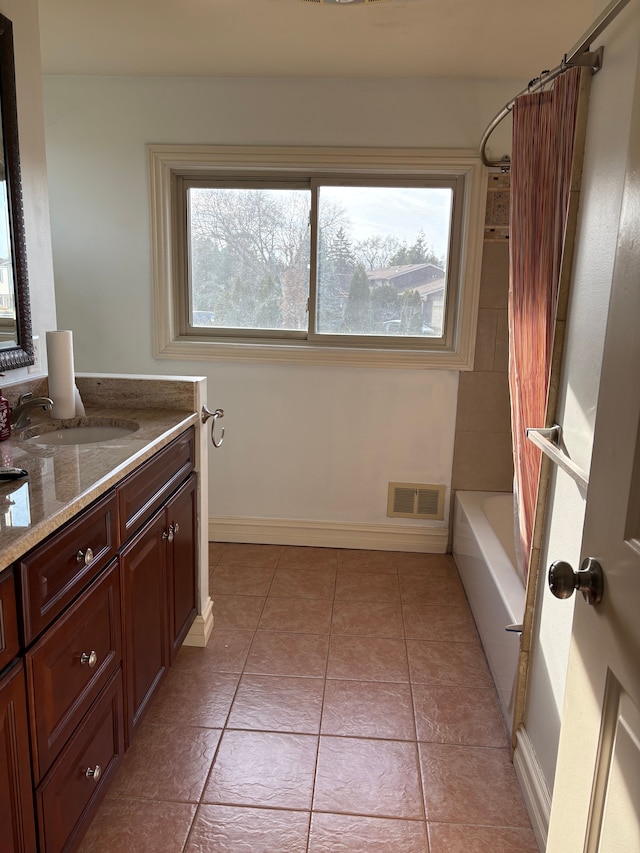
x,y
316,255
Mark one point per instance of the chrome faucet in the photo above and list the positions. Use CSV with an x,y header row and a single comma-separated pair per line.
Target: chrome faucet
x,y
26,402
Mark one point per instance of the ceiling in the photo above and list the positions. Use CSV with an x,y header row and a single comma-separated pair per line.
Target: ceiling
x,y
292,38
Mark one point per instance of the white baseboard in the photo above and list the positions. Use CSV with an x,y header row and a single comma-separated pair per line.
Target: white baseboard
x,y
534,787
329,534
202,627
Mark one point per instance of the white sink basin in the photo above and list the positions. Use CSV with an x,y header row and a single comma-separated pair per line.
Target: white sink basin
x,y
87,433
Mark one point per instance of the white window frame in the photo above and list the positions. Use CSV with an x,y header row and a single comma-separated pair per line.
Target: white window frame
x,y
169,163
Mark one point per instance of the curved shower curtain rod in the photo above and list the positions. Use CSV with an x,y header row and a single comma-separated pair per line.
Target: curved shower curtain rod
x,y
578,55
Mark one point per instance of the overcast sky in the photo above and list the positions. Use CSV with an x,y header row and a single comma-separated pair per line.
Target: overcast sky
x,y
402,213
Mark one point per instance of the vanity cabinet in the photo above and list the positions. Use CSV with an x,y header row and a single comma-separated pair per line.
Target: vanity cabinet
x,y
17,821
103,605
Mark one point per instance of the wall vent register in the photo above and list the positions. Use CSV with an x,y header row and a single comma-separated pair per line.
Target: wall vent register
x,y
416,500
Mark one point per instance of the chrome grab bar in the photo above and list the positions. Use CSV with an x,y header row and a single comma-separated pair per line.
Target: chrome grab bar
x,y
205,415
548,441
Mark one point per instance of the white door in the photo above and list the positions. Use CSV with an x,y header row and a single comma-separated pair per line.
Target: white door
x,y
596,802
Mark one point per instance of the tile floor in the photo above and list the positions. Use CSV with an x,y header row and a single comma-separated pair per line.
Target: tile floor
x,y
343,705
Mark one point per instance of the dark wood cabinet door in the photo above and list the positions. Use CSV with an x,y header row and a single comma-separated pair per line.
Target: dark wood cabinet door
x,y
17,823
8,619
181,563
144,614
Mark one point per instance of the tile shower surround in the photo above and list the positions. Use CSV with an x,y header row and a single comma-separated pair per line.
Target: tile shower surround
x,y
343,705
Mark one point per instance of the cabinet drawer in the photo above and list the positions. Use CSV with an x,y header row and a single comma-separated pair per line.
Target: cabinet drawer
x,y
144,491
68,796
8,619
70,664
56,571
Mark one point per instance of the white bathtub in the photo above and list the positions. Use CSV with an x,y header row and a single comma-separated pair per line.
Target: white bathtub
x,y
484,551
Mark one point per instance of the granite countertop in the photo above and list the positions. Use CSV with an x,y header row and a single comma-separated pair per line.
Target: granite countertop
x,y
65,479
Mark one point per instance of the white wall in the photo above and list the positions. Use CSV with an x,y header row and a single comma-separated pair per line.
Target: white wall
x,y
310,444
24,16
606,151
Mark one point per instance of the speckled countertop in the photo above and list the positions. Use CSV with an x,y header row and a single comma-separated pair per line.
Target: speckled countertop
x,y
64,479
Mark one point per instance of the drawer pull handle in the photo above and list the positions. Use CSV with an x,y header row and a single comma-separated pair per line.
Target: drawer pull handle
x,y
91,659
168,534
93,774
85,557
176,528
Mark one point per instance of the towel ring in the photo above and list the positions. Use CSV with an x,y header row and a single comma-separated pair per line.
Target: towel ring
x,y
205,415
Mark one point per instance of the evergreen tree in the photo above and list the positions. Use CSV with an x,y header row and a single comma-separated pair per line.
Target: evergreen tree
x,y
419,253
411,313
385,306
336,263
357,314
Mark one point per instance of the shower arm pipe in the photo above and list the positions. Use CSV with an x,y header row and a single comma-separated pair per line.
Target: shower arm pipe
x,y
578,55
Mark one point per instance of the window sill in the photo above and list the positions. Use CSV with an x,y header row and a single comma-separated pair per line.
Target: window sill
x,y
310,354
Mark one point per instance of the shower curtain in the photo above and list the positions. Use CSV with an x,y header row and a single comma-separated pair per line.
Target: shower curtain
x,y
542,150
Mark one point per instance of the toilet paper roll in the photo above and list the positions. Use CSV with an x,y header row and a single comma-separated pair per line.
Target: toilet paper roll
x,y
62,383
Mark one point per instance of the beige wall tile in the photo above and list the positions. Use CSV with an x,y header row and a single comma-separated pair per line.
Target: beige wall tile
x,y
494,281
501,355
485,339
483,461
483,403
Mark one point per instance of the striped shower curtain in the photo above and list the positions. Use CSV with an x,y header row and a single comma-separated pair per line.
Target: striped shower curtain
x,y
542,149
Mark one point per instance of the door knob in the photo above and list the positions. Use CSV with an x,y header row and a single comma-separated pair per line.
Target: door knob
x,y
589,579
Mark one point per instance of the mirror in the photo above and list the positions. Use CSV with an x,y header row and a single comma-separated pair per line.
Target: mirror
x,y
16,343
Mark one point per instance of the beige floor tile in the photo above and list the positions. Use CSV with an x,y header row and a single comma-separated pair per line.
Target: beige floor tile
x,y
262,556
303,583
338,833
143,826
367,659
424,564
367,777
280,653
361,670
452,838
365,586
462,715
370,709
444,589
240,580
263,769
278,703
194,697
237,611
167,762
471,784
307,616
371,562
439,623
367,618
448,663
308,558
234,829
